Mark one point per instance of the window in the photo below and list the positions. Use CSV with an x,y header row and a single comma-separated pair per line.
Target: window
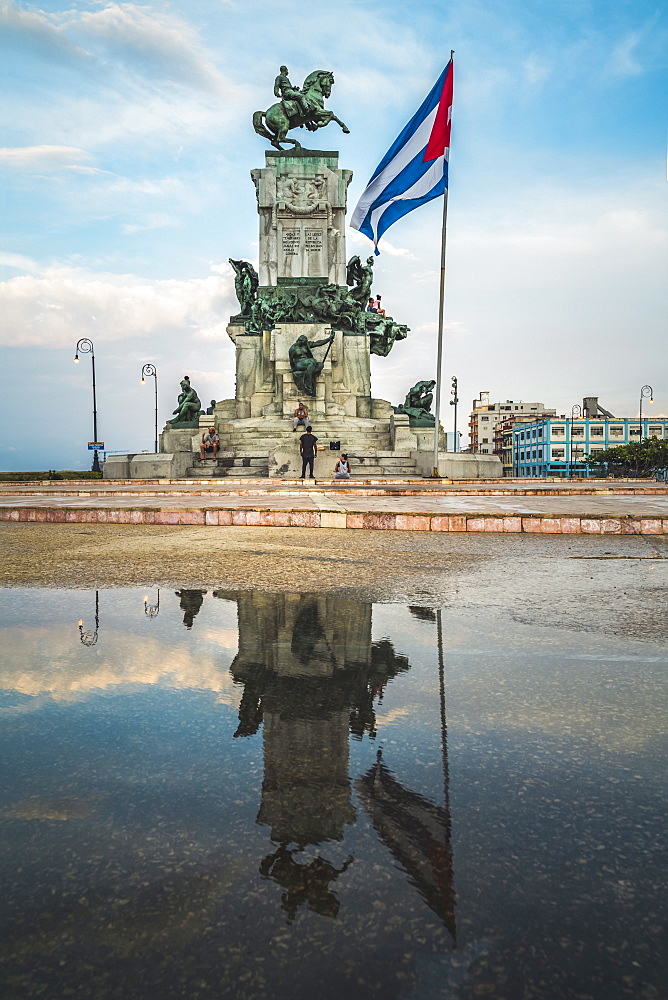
x,y
485,440
596,430
578,432
521,456
656,431
540,452
484,451
617,431
484,418
540,432
558,430
598,447
558,452
634,431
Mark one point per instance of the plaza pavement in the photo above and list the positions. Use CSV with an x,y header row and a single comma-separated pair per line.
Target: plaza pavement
x,y
554,507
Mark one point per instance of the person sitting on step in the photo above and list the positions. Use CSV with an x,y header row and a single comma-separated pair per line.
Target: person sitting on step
x,y
342,469
210,443
300,416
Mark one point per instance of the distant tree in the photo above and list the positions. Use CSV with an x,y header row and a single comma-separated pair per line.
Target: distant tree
x,y
641,459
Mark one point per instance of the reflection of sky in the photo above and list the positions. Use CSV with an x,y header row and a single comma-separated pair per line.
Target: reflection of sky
x,y
503,676
43,655
149,805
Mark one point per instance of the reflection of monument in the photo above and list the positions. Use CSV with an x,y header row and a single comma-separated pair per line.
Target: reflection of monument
x,y
304,883
190,602
310,673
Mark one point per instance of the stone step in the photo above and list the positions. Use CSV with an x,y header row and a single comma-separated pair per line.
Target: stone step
x,y
222,472
338,434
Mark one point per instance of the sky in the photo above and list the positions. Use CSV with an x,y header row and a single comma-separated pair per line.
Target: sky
x,y
126,150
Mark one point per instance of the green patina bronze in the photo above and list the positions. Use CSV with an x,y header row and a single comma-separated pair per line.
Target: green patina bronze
x,y
418,404
297,108
246,283
188,406
341,307
304,367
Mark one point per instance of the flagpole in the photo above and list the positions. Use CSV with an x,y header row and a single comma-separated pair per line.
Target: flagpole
x,y
441,301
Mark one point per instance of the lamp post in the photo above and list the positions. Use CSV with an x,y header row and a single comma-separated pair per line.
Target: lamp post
x,y
152,610
644,393
576,411
89,637
146,372
86,347
453,402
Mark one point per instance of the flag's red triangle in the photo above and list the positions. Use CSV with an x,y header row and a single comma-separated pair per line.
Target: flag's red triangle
x,y
439,140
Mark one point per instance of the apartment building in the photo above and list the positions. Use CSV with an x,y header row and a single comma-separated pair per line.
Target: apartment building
x,y
558,446
486,416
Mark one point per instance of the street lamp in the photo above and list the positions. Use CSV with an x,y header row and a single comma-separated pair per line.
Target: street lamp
x,y
644,393
86,347
576,411
146,372
152,610
89,637
453,402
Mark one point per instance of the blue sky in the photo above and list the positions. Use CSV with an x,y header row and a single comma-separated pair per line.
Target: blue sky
x,y
126,150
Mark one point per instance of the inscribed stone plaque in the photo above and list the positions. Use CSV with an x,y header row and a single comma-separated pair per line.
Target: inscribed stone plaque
x,y
314,240
291,241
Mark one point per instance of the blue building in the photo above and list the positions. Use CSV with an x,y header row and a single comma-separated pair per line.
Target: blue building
x,y
558,446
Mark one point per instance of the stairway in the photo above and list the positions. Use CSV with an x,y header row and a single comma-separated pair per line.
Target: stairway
x,y
245,446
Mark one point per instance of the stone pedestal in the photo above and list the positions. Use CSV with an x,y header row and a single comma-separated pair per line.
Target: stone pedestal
x,y
301,199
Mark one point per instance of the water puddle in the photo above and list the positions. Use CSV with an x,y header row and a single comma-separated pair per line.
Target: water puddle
x,y
212,794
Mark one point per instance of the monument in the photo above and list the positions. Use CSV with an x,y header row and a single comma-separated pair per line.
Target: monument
x,y
304,327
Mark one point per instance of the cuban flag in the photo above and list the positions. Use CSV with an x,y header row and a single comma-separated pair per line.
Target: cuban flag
x,y
415,168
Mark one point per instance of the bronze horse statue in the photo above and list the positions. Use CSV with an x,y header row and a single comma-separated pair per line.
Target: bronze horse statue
x,y
276,121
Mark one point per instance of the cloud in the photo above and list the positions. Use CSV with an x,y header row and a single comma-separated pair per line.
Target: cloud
x,y
151,45
18,262
155,221
54,307
39,33
44,157
148,43
359,239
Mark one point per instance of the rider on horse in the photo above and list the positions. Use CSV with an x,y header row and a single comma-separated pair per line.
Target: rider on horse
x,y
285,90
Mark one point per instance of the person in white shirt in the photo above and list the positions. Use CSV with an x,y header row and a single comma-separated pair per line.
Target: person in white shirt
x,y
342,470
210,443
300,416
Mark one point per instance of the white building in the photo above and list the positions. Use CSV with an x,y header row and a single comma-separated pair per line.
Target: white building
x,y
485,416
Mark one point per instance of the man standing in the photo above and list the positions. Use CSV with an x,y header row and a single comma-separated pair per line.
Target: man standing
x,y
210,443
300,416
308,449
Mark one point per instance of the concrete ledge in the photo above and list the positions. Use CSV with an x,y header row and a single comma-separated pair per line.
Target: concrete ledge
x,y
284,518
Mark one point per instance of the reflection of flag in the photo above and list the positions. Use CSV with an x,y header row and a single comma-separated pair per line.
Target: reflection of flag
x,y
415,168
417,832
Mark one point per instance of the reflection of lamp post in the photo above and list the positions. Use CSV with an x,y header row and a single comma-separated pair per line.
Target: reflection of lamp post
x,y
575,407
453,402
146,372
644,393
89,637
86,347
152,610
